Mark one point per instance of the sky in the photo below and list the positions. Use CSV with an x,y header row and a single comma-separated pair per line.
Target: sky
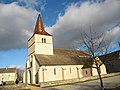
x,y
64,19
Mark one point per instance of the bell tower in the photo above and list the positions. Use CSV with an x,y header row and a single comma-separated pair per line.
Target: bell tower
x,y
40,42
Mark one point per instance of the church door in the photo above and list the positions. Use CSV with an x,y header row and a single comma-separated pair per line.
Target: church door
x,y
37,79
29,76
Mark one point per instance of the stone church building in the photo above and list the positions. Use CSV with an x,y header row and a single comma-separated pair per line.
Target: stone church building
x,y
46,63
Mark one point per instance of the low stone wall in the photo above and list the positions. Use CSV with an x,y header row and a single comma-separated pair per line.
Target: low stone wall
x,y
76,80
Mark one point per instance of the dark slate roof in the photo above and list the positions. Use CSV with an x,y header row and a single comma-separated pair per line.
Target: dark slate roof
x,y
104,58
7,70
87,65
62,57
110,56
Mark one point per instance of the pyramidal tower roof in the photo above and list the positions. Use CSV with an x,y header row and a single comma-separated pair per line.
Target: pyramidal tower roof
x,y
39,27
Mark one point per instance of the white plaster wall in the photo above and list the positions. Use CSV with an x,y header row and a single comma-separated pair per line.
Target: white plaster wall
x,y
8,76
30,59
28,77
35,69
40,75
43,48
73,73
38,38
31,49
31,41
49,72
36,46
31,45
28,63
103,70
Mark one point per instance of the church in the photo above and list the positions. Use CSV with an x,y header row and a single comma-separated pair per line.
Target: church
x,y
46,64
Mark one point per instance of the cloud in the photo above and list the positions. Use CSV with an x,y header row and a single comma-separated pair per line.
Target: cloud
x,y
100,16
114,33
16,25
114,36
17,22
18,67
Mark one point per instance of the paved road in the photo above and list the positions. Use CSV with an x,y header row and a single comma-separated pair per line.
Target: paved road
x,y
90,85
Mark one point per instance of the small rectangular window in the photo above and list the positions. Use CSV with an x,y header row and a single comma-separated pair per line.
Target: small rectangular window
x,y
70,70
54,71
86,72
31,64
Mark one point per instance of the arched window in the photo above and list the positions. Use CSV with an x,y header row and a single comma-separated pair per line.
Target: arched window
x,y
44,40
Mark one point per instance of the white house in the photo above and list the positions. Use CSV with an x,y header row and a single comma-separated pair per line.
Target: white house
x,y
8,74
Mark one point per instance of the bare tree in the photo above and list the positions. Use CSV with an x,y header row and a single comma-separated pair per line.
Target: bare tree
x,y
119,44
20,74
95,44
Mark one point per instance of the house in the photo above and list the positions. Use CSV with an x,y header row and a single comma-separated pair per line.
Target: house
x,y
111,61
46,63
8,74
90,68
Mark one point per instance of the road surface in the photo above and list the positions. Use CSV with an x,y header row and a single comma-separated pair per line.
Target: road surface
x,y
110,82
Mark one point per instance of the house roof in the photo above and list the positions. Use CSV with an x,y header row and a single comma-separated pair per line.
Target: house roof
x,y
87,65
90,62
62,57
110,56
39,27
104,58
7,70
